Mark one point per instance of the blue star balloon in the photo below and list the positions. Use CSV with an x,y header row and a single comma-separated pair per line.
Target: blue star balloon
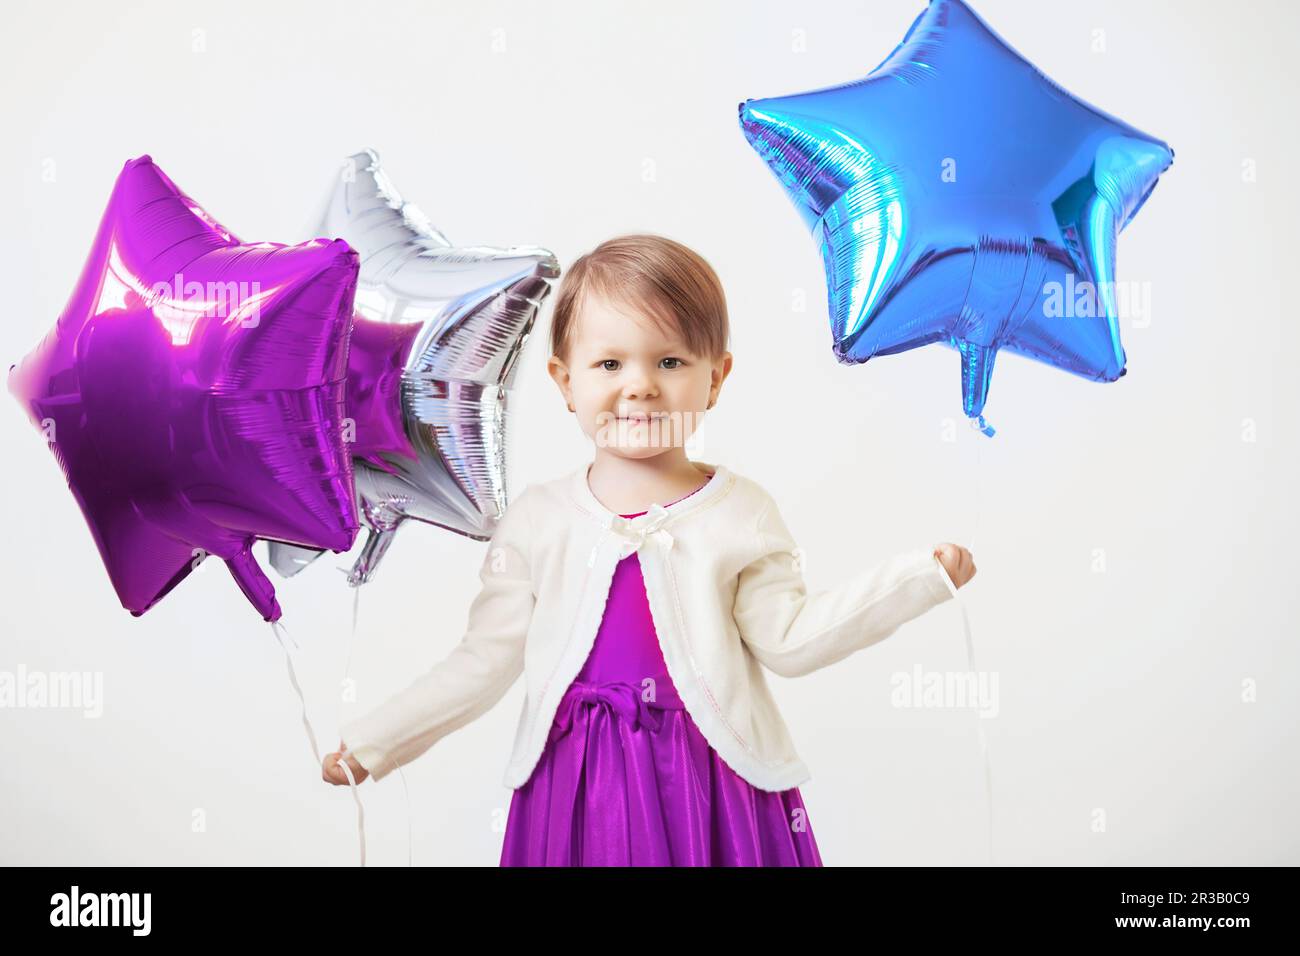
x,y
960,196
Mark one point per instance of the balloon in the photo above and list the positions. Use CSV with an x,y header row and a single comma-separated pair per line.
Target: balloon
x,y
960,196
192,391
436,342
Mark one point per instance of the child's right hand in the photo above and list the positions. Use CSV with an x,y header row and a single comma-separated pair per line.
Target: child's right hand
x,y
331,772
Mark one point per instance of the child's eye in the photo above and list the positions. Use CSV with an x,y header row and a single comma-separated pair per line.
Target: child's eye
x,y
607,363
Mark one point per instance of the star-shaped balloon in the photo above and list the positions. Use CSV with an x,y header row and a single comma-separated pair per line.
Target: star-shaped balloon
x,y
192,391
960,196
436,341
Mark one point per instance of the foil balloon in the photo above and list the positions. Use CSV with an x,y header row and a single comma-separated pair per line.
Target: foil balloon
x,y
192,392
960,196
436,340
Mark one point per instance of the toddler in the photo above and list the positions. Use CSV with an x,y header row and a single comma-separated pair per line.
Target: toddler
x,y
641,597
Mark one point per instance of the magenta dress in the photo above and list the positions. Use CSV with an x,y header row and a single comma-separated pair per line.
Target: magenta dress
x,y
626,781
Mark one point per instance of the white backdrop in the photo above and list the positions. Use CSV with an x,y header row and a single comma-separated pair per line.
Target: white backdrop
x,y
1135,541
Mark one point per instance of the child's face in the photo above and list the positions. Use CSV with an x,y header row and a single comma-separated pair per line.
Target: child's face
x,y
635,389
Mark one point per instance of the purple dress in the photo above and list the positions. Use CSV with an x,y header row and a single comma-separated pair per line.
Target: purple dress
x,y
630,781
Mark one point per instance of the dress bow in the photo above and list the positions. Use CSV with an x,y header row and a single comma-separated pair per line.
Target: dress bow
x,y
623,698
634,536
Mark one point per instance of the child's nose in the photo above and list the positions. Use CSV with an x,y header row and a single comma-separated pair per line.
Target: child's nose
x,y
640,387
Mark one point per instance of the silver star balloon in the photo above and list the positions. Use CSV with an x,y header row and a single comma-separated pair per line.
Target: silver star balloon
x,y
437,334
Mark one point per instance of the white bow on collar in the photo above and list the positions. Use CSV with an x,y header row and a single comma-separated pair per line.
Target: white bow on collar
x,y
634,537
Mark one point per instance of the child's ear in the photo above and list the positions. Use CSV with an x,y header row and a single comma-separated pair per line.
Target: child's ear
x,y
721,369
559,372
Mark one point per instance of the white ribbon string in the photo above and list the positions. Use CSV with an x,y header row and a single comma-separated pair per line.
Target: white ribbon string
x,y
347,752
970,649
356,609
410,836
979,497
356,797
979,721
280,632
979,728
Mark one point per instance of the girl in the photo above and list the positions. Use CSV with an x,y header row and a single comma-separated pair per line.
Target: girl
x,y
648,735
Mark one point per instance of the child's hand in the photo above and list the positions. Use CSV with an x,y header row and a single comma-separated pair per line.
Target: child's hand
x,y
331,772
957,561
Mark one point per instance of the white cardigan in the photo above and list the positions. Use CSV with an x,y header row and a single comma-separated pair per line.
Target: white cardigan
x,y
726,592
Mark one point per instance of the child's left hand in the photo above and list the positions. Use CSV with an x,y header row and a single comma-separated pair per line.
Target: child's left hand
x,y
957,561
331,772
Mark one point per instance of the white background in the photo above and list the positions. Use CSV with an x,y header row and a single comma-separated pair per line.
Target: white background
x,y
1122,735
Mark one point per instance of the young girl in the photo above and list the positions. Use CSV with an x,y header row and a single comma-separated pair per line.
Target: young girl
x,y
641,596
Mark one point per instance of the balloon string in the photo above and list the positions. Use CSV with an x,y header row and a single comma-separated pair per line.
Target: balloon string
x,y
970,644
347,673
356,606
979,496
979,721
280,632
410,836
979,727
356,798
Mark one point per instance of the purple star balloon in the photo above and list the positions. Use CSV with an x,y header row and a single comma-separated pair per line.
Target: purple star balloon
x,y
192,392
958,195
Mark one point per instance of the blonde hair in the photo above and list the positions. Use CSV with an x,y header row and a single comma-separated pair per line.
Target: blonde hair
x,y
673,282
